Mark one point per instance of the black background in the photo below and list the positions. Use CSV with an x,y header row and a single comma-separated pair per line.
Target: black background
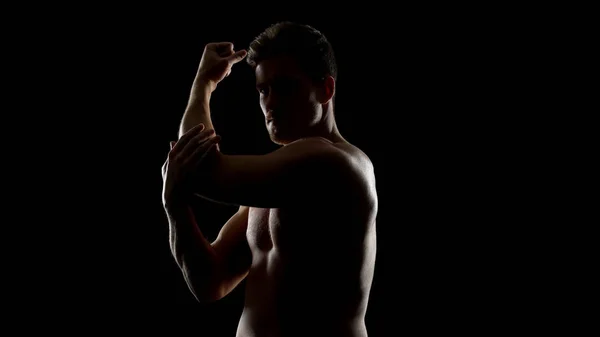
x,y
423,92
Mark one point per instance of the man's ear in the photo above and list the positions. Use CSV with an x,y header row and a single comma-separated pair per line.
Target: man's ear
x,y
327,89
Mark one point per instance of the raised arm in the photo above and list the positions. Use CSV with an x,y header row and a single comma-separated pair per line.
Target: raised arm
x,y
291,175
288,176
215,64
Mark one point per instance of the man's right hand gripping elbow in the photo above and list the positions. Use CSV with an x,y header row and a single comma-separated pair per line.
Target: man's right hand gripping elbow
x,y
192,252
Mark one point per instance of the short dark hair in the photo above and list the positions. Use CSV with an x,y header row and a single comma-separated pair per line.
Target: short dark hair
x,y
305,44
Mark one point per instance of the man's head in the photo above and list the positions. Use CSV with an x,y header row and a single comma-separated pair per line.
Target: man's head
x,y
295,72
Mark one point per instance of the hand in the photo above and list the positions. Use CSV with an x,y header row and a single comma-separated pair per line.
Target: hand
x,y
217,60
183,163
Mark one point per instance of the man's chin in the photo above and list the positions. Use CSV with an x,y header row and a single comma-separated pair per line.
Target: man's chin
x,y
278,138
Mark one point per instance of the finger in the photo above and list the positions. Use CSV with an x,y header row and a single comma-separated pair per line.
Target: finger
x,y
200,154
237,56
172,143
185,138
219,45
201,150
201,137
208,151
225,52
196,141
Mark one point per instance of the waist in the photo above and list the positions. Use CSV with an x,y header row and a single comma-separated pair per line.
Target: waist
x,y
256,322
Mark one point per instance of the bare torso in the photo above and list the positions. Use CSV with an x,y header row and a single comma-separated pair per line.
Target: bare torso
x,y
312,267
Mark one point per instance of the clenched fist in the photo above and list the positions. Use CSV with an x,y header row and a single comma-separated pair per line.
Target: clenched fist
x,y
215,65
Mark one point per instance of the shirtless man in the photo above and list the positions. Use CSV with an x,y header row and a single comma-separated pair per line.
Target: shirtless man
x,y
304,235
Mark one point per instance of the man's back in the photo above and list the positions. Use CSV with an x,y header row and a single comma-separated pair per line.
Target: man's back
x,y
312,263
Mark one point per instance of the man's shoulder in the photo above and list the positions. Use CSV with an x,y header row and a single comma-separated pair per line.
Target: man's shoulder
x,y
351,167
349,155
343,149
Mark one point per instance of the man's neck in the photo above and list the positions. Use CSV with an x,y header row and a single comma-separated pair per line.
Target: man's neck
x,y
330,133
328,129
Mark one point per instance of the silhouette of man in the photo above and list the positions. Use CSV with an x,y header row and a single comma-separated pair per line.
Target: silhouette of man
x,y
304,236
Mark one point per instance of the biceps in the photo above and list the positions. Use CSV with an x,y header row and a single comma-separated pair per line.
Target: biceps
x,y
231,246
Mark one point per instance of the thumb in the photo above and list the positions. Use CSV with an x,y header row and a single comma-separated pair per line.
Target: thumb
x,y
237,56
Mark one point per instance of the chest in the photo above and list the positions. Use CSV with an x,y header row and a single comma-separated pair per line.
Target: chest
x,y
264,228
288,230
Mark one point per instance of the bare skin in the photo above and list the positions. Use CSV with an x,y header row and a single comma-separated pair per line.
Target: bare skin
x,y
311,270
304,241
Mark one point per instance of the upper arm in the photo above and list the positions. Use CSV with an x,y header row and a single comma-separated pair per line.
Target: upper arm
x,y
232,251
286,176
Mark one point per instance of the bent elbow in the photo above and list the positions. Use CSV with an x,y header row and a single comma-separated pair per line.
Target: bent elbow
x,y
205,297
205,291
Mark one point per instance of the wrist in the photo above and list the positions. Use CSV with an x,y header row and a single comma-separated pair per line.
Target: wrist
x,y
200,95
203,87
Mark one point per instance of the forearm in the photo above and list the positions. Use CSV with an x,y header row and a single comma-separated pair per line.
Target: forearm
x,y
198,108
193,252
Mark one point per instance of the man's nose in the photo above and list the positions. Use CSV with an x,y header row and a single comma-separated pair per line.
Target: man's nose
x,y
271,102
